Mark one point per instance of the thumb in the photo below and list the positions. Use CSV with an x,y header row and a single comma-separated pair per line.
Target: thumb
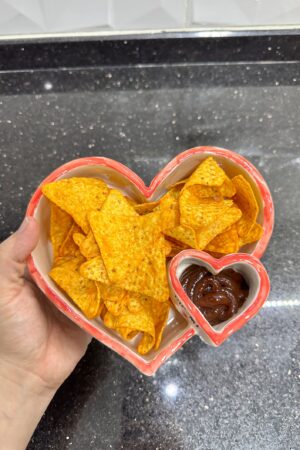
x,y
15,250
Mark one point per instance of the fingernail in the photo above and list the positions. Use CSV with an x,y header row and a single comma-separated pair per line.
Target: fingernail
x,y
24,224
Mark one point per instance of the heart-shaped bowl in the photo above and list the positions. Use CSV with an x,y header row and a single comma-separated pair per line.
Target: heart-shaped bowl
x,y
115,174
248,266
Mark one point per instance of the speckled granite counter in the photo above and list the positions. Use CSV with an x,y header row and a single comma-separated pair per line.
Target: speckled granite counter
x,y
244,395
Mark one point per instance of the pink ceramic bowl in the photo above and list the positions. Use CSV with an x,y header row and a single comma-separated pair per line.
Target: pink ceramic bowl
x,y
253,272
180,328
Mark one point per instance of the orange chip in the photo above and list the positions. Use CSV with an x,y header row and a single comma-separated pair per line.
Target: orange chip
x,y
116,204
141,322
94,269
60,224
68,247
84,293
73,261
169,209
145,208
133,251
215,255
179,183
113,293
99,300
205,192
199,212
175,250
226,242
160,313
208,173
183,234
253,235
77,196
127,333
168,247
78,238
130,200
141,315
111,253
227,189
87,245
115,299
206,234
246,201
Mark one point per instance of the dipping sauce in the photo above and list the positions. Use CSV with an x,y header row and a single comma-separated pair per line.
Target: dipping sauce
x,y
217,296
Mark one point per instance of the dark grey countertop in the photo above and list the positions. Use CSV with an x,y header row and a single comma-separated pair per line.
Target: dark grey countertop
x,y
245,394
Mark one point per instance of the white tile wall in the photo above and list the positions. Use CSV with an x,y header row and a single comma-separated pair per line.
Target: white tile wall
x,y
244,12
139,14
36,16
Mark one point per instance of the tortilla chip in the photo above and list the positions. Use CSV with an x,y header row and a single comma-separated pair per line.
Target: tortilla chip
x,y
116,204
183,234
246,201
206,234
160,313
87,245
82,291
253,235
78,238
208,173
133,252
168,247
145,208
127,333
116,306
60,224
227,189
113,293
94,269
226,242
169,210
131,201
141,323
179,183
205,192
77,196
196,212
177,247
68,247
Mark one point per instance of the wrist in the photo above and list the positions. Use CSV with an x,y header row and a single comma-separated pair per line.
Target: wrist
x,y
24,399
24,380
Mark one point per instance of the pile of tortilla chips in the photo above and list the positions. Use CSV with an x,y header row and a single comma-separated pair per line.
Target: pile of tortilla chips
x,y
211,212
110,254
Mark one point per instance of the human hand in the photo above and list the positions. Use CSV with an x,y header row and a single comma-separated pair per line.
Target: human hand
x,y
39,347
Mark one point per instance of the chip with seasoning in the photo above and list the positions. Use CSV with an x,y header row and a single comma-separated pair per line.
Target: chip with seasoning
x,y
208,173
87,244
226,242
77,196
84,293
246,201
69,247
127,246
94,269
60,225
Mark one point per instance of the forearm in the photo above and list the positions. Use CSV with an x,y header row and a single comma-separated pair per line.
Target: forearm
x,y
23,400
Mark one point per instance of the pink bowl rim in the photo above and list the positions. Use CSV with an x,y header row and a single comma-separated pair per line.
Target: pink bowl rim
x,y
147,367
217,337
